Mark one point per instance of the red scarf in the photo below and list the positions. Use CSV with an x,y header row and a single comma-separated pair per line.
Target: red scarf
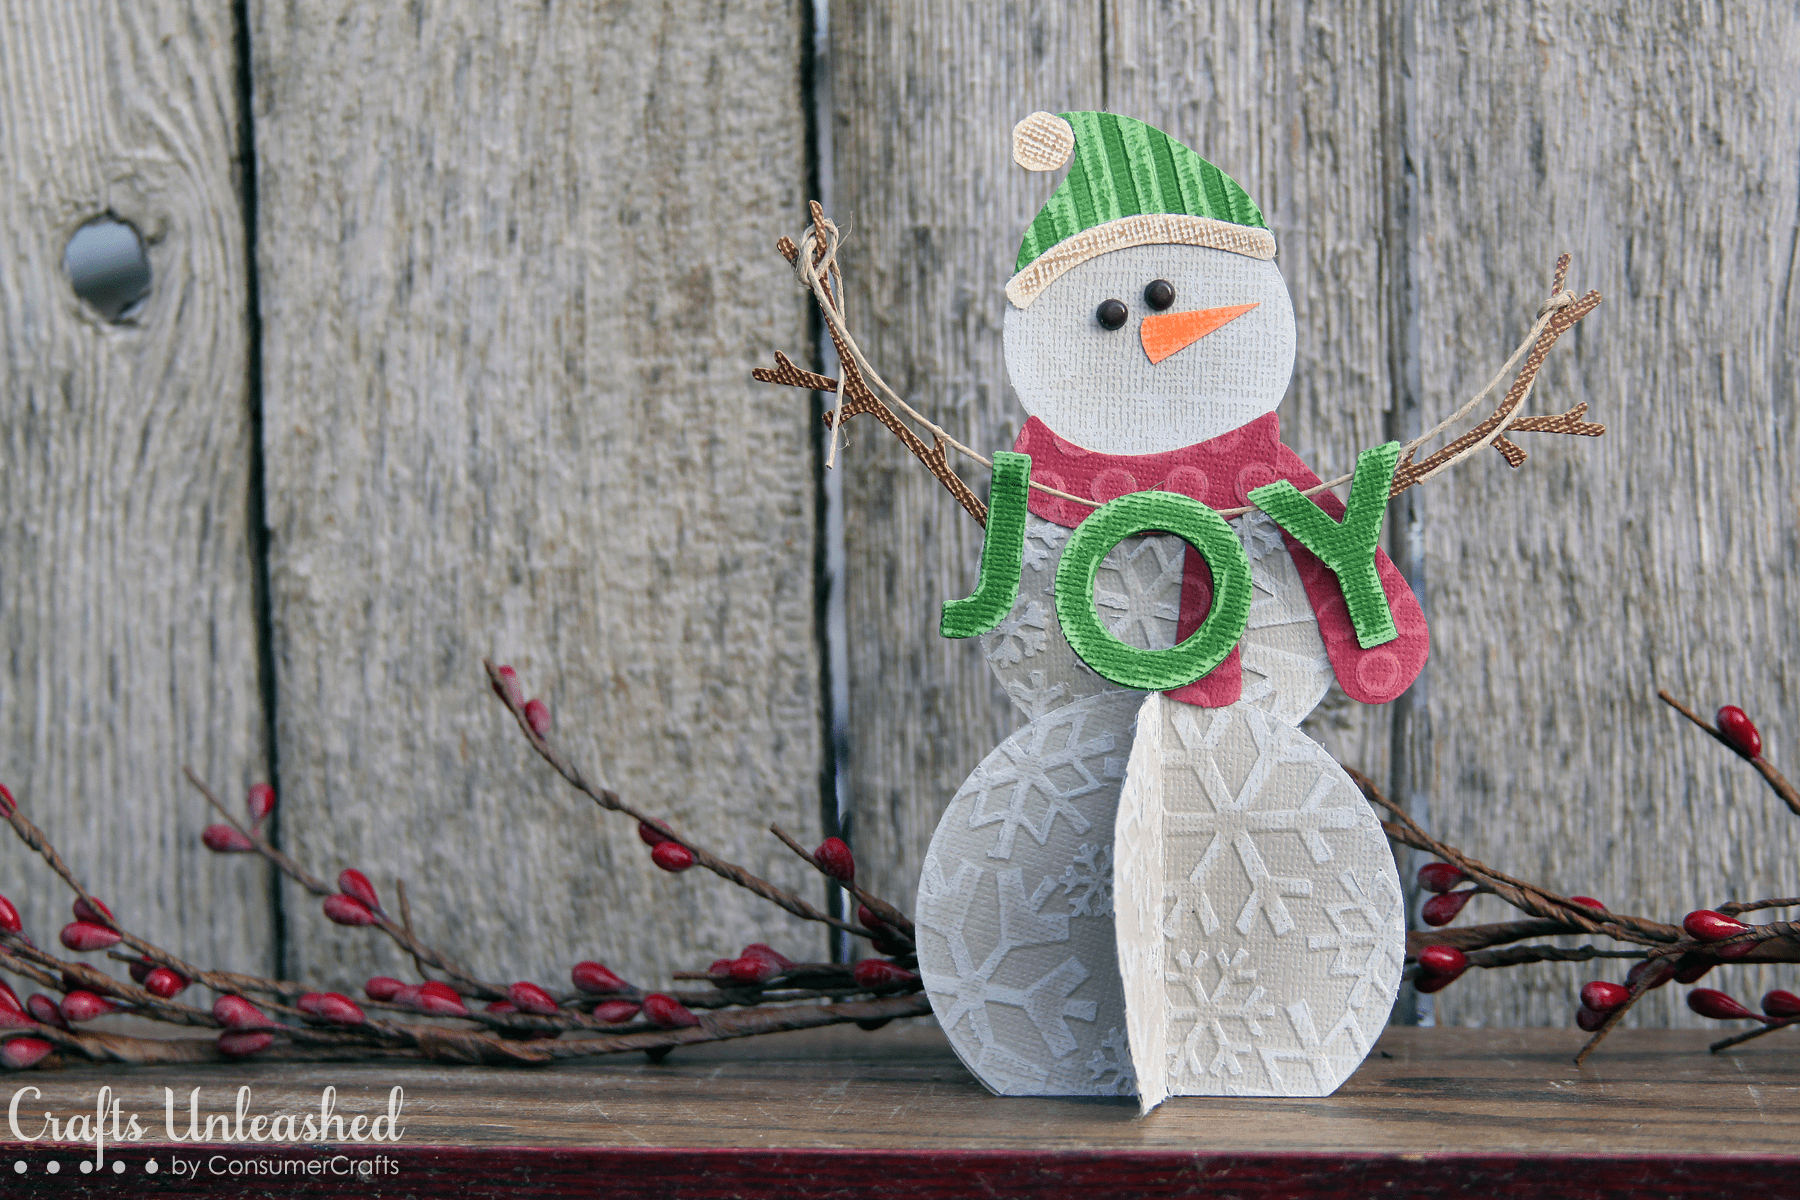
x,y
1220,473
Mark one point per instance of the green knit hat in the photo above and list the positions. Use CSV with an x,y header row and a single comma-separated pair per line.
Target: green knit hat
x,y
1131,185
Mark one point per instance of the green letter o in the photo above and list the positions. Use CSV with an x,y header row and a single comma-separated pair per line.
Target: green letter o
x,y
1204,649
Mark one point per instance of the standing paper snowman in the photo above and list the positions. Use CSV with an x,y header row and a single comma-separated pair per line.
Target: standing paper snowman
x,y
1160,885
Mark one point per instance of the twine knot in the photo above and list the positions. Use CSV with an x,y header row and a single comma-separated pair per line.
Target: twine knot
x,y
1559,300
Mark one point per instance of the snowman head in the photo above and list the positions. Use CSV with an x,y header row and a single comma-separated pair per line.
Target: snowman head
x,y
1147,313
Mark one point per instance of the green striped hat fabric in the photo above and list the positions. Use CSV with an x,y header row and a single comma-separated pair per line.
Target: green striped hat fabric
x,y
1123,168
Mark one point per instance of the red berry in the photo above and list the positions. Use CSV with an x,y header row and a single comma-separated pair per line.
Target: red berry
x,y
596,980
382,987
44,1010
1717,1005
1705,925
664,1011
9,998
1693,972
9,917
1781,1004
1439,967
85,935
651,835
163,982
23,1052
1440,876
83,1006
260,800
1604,997
537,715
835,859
223,839
335,1007
1443,960
235,1012
752,970
1588,1019
616,1012
243,1043
866,917
1587,902
1443,908
97,912
347,910
433,999
140,969
769,953
8,806
672,856
1661,971
1738,731
875,973
500,1007
507,685
720,970
531,998
14,1018
355,884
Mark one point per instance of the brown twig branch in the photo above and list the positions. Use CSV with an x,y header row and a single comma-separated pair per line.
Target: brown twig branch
x,y
608,799
887,913
1527,897
402,936
1778,783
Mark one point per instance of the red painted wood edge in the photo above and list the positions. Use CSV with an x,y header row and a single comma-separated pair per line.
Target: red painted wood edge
x,y
515,1173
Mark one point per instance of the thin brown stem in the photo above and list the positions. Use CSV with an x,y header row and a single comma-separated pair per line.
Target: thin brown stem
x,y
420,952
1750,1035
1527,897
1778,783
608,799
885,912
1515,956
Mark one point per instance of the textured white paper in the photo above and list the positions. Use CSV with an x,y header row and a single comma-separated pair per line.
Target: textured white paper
x,y
1015,908
1261,927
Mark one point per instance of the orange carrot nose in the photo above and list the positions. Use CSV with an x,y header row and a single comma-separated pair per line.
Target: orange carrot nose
x,y
1166,333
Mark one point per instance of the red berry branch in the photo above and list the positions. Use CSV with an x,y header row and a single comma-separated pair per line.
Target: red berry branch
x,y
1664,953
445,1019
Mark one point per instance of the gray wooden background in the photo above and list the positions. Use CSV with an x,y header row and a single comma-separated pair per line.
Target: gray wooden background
x,y
447,355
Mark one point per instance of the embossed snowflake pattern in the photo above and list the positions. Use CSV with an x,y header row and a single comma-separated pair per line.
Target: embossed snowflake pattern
x,y
1234,820
1138,591
1259,534
1221,1021
1110,1066
1035,777
1360,924
964,993
1043,545
1023,634
1036,696
1088,881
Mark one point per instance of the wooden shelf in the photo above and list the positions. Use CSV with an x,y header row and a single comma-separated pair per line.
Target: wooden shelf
x,y
1434,1112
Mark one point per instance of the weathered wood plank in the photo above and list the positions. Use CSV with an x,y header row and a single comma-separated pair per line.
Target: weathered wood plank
x,y
127,584
1658,145
925,97
518,266
1651,1093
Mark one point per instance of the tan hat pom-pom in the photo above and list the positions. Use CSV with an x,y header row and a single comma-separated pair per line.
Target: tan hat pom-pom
x,y
1042,142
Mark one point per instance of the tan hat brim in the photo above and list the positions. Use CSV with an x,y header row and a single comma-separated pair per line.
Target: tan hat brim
x,y
1146,229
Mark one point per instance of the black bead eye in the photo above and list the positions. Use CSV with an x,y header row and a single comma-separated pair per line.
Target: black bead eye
x,y
1159,294
1111,314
